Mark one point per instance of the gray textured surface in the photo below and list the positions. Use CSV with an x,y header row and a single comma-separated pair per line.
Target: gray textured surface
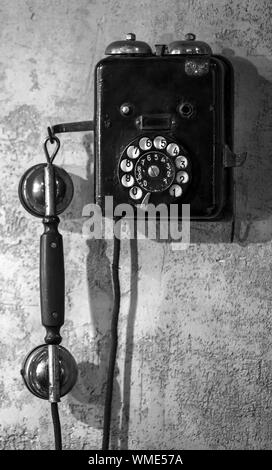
x,y
198,322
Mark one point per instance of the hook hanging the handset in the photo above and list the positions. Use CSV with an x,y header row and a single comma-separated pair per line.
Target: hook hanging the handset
x,y
32,187
80,126
52,139
49,176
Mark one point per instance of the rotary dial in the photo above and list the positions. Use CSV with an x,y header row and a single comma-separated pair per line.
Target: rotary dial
x,y
154,172
152,165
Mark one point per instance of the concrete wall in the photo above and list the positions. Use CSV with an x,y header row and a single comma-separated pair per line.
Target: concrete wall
x,y
194,362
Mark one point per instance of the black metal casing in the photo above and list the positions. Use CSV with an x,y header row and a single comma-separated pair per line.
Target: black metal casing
x,y
156,85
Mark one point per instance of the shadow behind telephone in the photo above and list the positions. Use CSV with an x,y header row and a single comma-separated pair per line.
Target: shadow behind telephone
x,y
163,127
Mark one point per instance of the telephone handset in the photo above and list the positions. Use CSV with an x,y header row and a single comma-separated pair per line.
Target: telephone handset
x,y
49,371
163,129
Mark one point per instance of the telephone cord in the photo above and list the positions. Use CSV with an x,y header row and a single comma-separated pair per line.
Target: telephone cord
x,y
114,340
56,426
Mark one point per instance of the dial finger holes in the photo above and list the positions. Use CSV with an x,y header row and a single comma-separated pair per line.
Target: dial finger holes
x,y
181,162
135,192
133,151
175,190
126,165
160,142
182,177
127,180
173,150
145,143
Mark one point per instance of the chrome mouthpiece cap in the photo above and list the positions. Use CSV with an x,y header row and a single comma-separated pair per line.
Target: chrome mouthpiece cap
x,y
49,373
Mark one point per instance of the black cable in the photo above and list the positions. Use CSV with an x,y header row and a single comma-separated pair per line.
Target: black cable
x,y
56,425
114,341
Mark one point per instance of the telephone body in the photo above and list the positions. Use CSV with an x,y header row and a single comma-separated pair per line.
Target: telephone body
x,y
163,127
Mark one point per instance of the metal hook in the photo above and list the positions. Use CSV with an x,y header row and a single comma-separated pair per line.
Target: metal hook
x,y
50,139
50,134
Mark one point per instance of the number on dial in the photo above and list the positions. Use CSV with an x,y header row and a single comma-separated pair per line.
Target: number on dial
x,y
173,150
135,192
126,165
175,190
181,162
160,142
127,180
182,177
145,143
133,151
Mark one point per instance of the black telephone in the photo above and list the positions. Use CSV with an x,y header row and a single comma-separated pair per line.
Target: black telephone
x,y
163,130
163,127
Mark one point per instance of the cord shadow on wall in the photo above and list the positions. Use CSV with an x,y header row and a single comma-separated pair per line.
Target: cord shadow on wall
x,y
86,400
88,396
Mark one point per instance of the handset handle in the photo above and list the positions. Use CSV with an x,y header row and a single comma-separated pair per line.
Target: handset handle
x,y
52,280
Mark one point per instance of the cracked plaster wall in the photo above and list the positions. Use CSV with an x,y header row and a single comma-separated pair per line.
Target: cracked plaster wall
x,y
194,360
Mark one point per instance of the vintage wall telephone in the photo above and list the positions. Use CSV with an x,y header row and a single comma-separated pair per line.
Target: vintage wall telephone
x,y
163,134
